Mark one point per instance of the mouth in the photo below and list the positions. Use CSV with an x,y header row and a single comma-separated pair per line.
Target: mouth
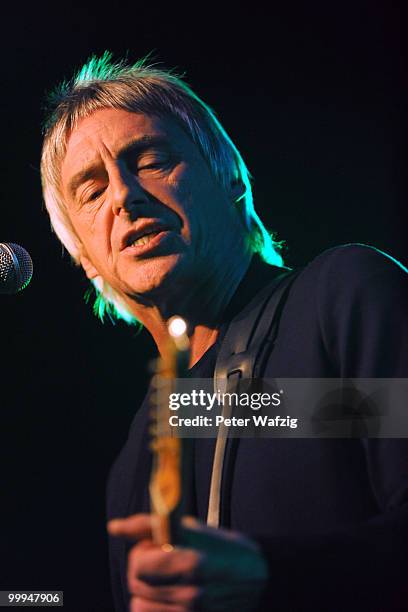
x,y
145,238
142,234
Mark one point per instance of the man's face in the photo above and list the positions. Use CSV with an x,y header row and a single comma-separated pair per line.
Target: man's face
x,y
146,207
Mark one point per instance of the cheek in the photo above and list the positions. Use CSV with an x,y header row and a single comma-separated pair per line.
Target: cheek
x,y
93,233
181,199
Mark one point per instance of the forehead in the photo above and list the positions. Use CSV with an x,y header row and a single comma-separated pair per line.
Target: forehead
x,y
108,132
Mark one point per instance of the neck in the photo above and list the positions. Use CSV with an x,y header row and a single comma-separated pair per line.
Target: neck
x,y
200,304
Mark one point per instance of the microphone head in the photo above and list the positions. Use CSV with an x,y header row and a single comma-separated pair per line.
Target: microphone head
x,y
16,268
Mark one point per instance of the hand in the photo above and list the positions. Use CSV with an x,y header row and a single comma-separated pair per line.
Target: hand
x,y
214,570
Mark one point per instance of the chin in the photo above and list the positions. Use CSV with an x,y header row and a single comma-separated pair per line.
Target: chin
x,y
154,275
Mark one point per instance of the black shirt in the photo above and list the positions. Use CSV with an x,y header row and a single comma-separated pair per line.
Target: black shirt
x,y
330,514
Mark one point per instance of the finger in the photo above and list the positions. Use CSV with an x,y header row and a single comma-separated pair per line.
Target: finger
x,y
159,568
185,595
143,605
137,526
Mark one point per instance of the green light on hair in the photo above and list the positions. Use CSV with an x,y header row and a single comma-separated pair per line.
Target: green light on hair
x,y
96,68
144,88
104,309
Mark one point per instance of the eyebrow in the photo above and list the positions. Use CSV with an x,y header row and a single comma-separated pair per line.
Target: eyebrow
x,y
137,145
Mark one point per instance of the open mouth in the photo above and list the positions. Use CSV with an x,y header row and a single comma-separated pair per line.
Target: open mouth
x,y
147,242
145,239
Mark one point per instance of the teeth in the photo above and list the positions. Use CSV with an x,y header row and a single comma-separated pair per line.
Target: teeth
x,y
144,239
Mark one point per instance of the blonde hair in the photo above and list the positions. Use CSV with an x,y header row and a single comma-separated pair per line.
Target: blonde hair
x,y
140,88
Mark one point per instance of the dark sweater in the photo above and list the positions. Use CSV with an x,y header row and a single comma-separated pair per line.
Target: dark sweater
x,y
331,515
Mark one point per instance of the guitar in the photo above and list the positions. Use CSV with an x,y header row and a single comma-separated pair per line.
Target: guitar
x,y
166,484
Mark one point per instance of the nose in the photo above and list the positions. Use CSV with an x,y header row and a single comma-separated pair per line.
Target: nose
x,y
126,192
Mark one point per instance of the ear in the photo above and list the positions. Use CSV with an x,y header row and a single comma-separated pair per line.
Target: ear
x,y
237,191
88,267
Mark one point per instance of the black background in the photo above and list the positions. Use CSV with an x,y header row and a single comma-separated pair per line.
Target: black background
x,y
314,96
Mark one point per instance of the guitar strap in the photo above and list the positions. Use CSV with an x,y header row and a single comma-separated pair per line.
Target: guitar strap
x,y
247,344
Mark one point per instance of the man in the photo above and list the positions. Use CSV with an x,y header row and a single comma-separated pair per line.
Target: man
x,y
150,196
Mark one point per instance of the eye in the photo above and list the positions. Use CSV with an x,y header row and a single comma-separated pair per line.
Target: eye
x,y
154,162
94,195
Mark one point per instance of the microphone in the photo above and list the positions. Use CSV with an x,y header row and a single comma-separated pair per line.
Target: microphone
x,y
16,268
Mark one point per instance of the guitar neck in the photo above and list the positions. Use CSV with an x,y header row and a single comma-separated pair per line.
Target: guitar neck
x,y
168,484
